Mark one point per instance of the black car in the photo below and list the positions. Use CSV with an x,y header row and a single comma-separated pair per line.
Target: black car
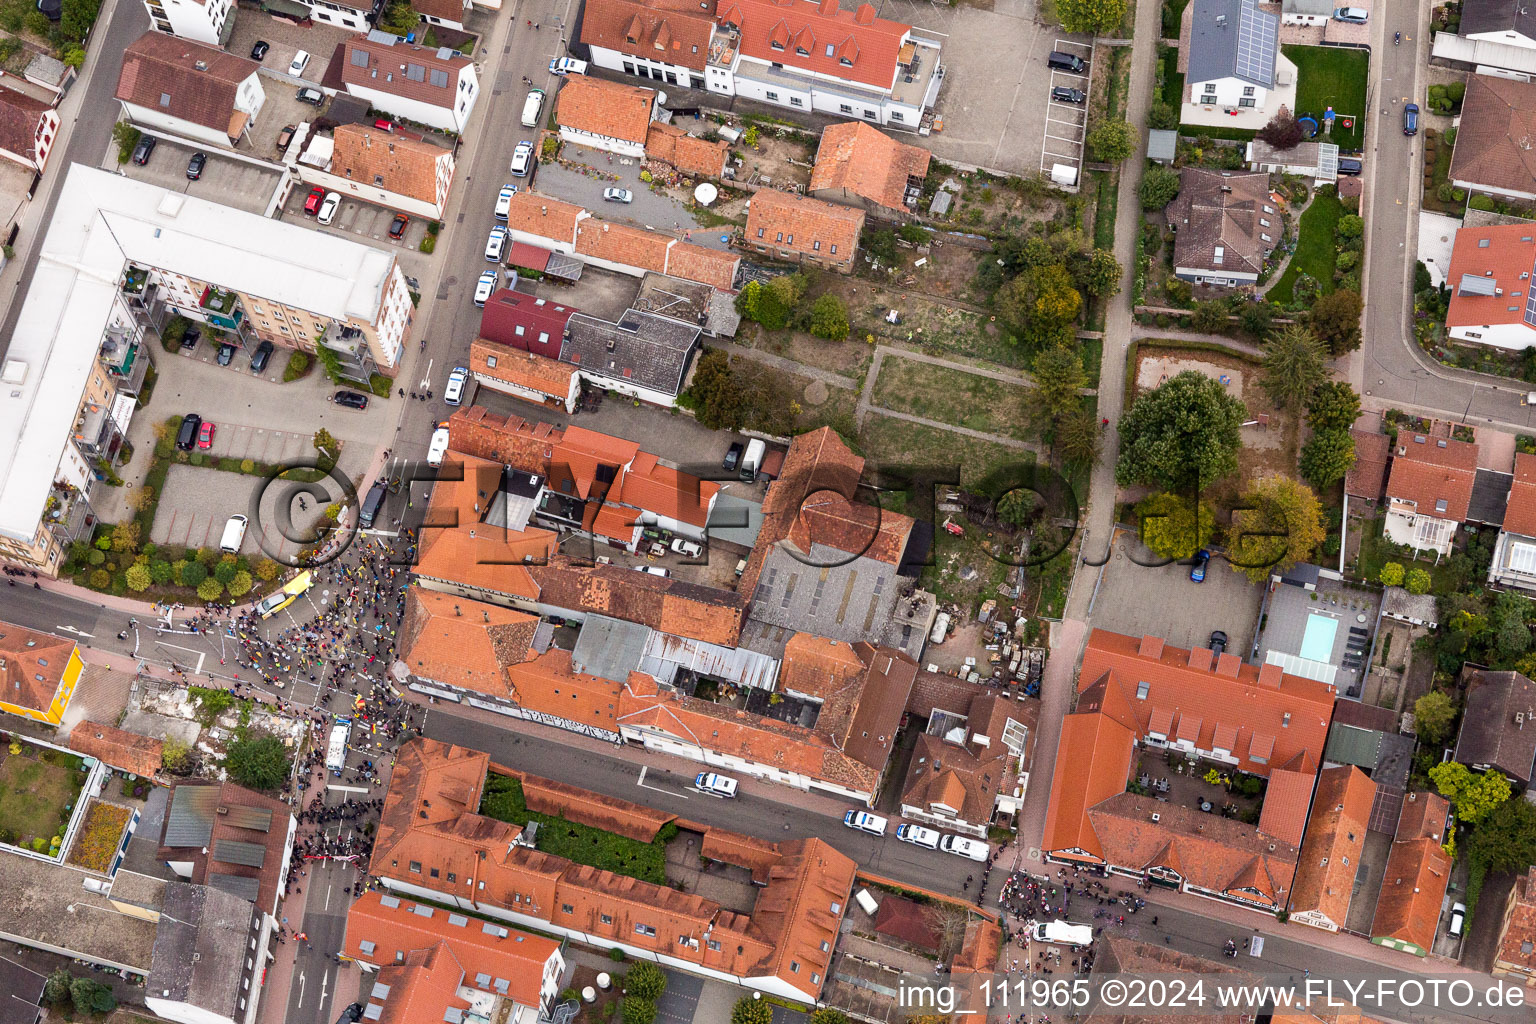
x,y
260,356
259,51
351,399
1350,165
195,166
732,457
186,437
1062,94
226,353
145,147
190,339
1218,642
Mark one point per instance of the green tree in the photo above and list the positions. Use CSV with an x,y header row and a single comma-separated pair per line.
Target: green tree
x,y
1505,840
638,1011
1078,436
1334,406
1039,302
1159,187
827,1015
1182,434
399,18
1351,225
326,446
89,996
1111,141
1294,367
127,137
645,981
138,577
788,288
1017,507
176,757
193,573
56,988
1433,714
1327,457
1097,273
1173,526
1513,638
1059,376
1163,115
751,1011
763,305
209,589
829,318
879,243
1391,574
1417,581
1091,17
1257,318
240,585
258,761
224,572
1210,316
716,395
1472,794
1335,321
1278,523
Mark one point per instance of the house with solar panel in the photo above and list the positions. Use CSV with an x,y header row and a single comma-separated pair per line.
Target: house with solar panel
x,y
1490,279
230,838
1235,75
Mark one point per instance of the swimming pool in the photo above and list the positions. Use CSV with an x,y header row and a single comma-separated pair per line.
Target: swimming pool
x,y
1317,641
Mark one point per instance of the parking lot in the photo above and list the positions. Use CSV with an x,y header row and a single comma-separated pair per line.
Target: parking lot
x,y
364,221
1138,600
1066,123
225,180
286,38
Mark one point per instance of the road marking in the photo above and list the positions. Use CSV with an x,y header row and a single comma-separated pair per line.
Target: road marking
x,y
200,654
72,629
328,896
657,789
300,1005
324,983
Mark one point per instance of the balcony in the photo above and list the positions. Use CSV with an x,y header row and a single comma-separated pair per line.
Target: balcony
x,y
128,362
222,308
68,513
93,428
135,279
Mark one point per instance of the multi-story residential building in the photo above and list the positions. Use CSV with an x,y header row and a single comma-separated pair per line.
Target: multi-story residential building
x,y
38,673
1516,953
384,168
1514,554
1429,490
434,87
28,128
1417,873
189,89
790,227
1331,851
348,14
202,21
800,54
1493,138
1226,226
1490,282
605,115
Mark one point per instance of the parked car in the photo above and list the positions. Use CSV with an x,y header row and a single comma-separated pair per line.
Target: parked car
x,y
397,226
504,201
329,207
654,570
1062,94
1197,570
260,357
439,446
1349,165
314,97
1060,60
960,846
495,243
313,200
1353,15
917,835
1218,642
195,166
351,399
485,287
142,151
205,435
1411,119
715,785
458,379
259,51
286,135
299,63
732,457
522,159
684,546
567,66
866,822
226,354
1458,919
186,437
190,339
618,195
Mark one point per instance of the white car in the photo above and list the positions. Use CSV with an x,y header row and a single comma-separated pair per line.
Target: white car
x,y
684,546
866,822
960,846
927,838
484,287
439,446
715,785
504,201
329,207
495,243
1458,919
522,159
453,394
618,195
654,570
299,63
567,66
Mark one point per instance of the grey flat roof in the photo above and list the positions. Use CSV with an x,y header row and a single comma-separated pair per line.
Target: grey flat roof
x,y
244,886
1163,143
200,948
853,601
734,520
21,993
609,648
35,911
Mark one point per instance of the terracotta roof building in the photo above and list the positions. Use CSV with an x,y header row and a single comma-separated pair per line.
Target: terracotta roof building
x,y
1516,953
1418,870
1514,553
435,87
1498,725
28,128
690,154
1490,281
126,751
910,922
803,230
525,322
659,34
1226,226
525,374
856,46
432,844
966,771
1330,853
38,673
605,115
189,88
442,12
384,168
230,838
1367,478
1498,117
859,165
463,643
1429,490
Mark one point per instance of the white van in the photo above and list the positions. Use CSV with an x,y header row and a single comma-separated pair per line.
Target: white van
x,y
865,822
960,846
495,243
715,785
531,107
927,838
234,533
752,460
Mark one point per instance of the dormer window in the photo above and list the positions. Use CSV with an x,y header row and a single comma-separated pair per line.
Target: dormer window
x,y
802,51
774,44
845,62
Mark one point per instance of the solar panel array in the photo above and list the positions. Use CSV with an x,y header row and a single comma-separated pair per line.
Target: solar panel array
x,y
258,819
1256,42
232,851
1530,298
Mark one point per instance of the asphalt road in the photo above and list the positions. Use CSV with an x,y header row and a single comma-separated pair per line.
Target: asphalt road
x,y
312,995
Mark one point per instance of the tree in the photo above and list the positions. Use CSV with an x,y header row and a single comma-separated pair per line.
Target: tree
x,y
1283,130
1162,116
209,589
127,137
1173,526
1351,225
715,393
751,1011
1417,581
788,288
765,305
138,577
1017,507
1257,318
1294,367
193,573
1335,321
1433,714
1091,17
829,318
1278,523
1505,840
125,536
879,243
1472,794
1183,434
827,1015
1111,141
326,445
1334,406
240,585
1327,457
1210,316
56,988
258,762
638,1011
646,981
176,757
224,571
89,996
267,570
1513,638
1078,437
1059,376
1159,187
1097,273
1391,574
399,18
1040,299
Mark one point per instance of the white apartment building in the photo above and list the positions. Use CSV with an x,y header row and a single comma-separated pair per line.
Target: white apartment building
x,y
204,21
434,87
188,89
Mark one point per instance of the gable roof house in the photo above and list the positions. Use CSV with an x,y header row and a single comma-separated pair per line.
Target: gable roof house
x,y
1494,34
801,230
1498,727
1236,74
965,772
230,838
605,115
1516,952
1429,489
1490,281
690,154
525,322
1225,226
1514,553
643,355
1418,870
1330,852
861,166
664,40
525,375
448,12
189,89
384,168
28,128
126,751
435,87
1493,154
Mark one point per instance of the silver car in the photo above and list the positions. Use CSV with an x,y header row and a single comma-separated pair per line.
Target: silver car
x,y
618,195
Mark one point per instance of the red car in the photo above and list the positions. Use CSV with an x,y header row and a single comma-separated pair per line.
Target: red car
x,y
313,200
205,435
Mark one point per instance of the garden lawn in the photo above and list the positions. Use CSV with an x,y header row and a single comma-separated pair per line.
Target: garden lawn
x,y
1332,76
1315,252
34,795
1376,551
583,844
953,396
904,443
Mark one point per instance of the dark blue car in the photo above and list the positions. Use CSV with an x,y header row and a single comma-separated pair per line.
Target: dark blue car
x,y
1411,119
1197,571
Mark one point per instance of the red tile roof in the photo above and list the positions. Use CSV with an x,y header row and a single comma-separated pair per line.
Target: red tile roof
x,y
810,227
32,666
907,921
799,34
125,751
403,69
21,116
1501,255
674,33
422,985
1093,763
200,82
857,161
688,153
1330,854
1418,869
525,322
527,370
1520,513
463,642
1435,474
1367,478
714,267
457,546
600,107
652,487
537,214
1517,944
1284,815
395,162
620,243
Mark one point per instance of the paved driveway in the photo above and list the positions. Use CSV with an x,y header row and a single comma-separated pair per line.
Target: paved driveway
x,y
649,209
357,220
681,999
229,182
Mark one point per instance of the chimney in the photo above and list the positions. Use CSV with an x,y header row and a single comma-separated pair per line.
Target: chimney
x,y
1269,675
1200,658
1151,646
1228,664
222,810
